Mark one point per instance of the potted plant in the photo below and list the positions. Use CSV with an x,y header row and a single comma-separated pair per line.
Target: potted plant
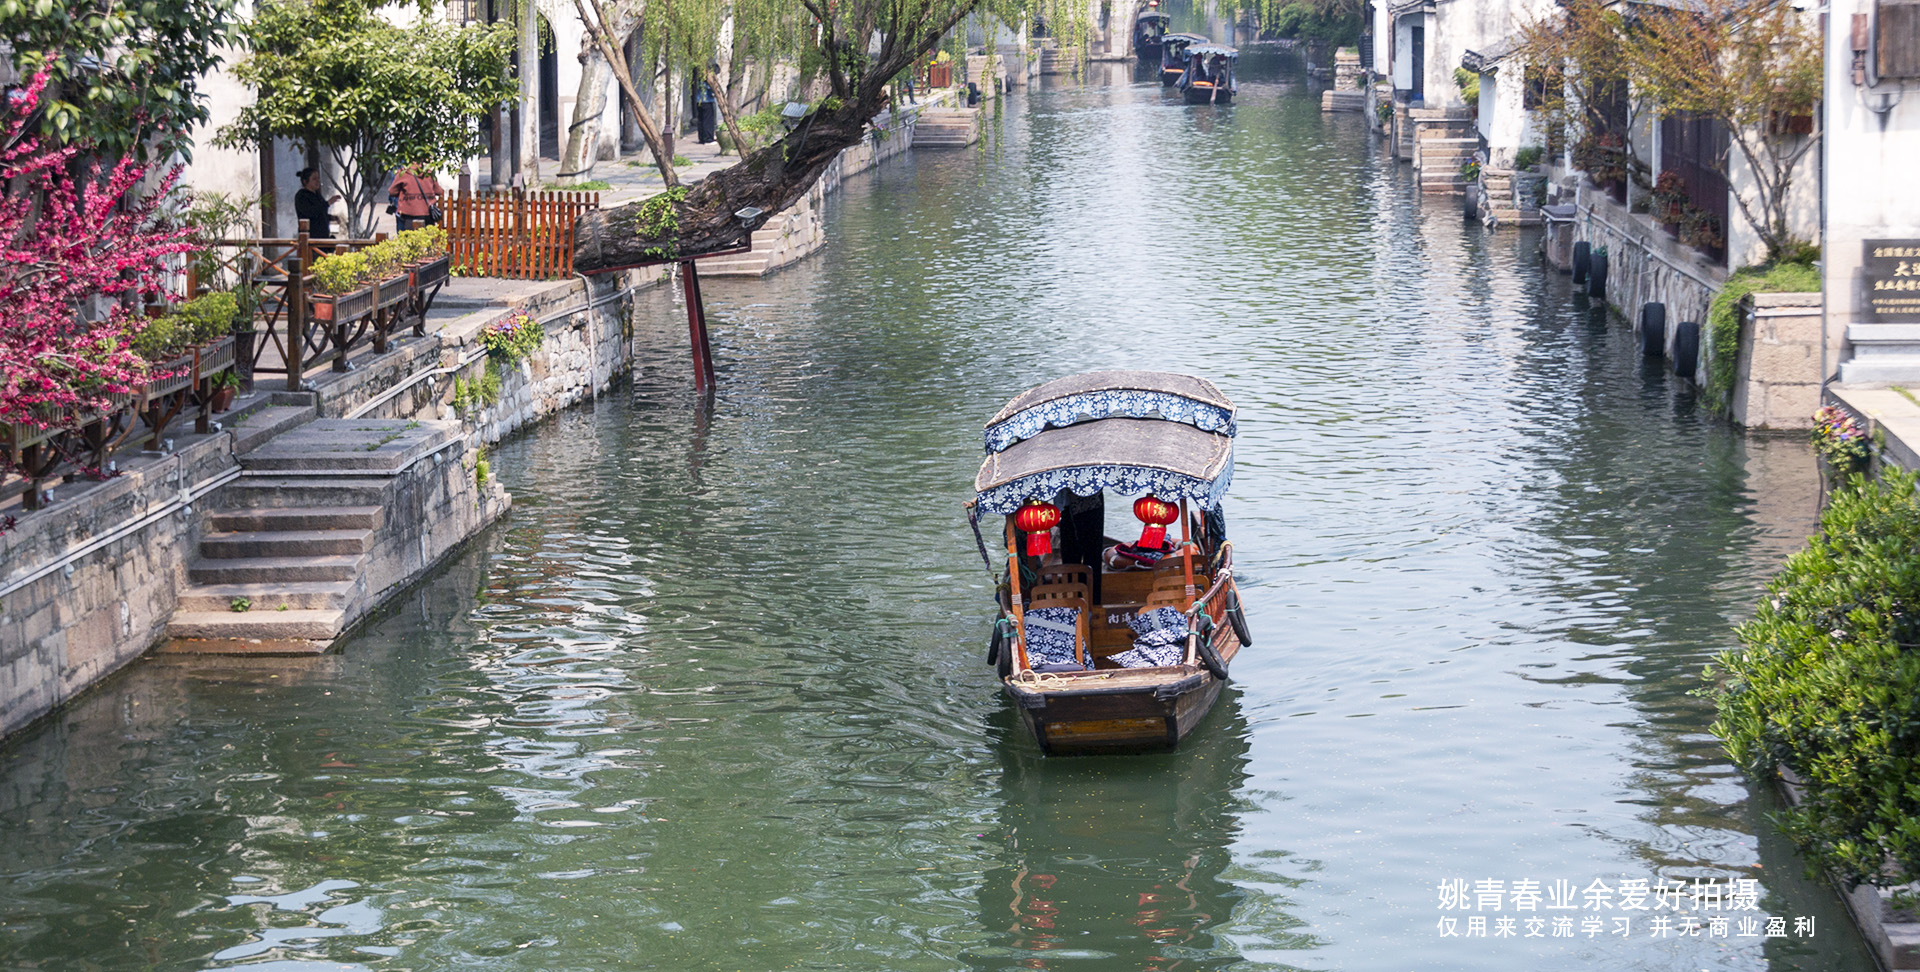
x,y
387,269
427,257
340,288
225,386
167,345
1670,200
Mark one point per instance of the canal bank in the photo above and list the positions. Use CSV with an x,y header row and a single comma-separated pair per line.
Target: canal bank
x,y
179,548
715,697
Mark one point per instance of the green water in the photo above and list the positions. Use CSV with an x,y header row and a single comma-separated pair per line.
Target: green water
x,y
713,696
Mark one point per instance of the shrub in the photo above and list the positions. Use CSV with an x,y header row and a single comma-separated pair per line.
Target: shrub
x,y
340,273
1826,684
1527,157
162,339
209,317
421,245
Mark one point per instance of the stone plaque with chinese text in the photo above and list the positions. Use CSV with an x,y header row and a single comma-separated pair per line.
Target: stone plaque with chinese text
x,y
1890,272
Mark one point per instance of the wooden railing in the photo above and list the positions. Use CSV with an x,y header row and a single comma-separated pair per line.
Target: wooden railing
x,y
526,235
284,338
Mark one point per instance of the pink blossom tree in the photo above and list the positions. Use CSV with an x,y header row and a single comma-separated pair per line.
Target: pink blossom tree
x,y
78,246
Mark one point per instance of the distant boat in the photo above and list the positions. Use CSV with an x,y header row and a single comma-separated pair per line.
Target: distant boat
x,y
1147,31
1111,647
1209,76
1173,56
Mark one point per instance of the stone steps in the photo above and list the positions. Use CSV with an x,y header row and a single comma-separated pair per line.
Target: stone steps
x,y
946,128
285,543
299,595
298,518
262,425
258,570
292,624
1343,101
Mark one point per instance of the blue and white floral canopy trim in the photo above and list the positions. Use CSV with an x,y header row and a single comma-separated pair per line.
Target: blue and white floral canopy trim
x,y
1089,406
1088,480
1098,395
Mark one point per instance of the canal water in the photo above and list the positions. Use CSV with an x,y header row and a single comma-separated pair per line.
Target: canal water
x,y
713,697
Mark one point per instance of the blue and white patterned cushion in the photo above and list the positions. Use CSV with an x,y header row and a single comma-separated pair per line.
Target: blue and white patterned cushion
x,y
1051,633
1160,639
1091,406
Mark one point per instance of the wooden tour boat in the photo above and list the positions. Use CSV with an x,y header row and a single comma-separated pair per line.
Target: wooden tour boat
x,y
1107,646
1208,79
1147,31
1173,56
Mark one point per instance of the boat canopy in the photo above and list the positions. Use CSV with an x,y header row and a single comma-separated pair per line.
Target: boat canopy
x,y
1132,456
1103,394
1153,16
1178,38
1210,49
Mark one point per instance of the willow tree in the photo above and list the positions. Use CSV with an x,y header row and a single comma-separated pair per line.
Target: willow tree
x,y
854,47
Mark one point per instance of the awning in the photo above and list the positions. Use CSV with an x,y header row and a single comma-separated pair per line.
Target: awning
x,y
1130,456
1103,394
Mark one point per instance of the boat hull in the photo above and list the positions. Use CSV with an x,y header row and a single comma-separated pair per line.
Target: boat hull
x,y
1204,94
1128,712
1169,77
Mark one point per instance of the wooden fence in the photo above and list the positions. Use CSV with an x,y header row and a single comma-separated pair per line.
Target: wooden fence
x,y
528,235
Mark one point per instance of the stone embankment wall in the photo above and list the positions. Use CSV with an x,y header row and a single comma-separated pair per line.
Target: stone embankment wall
x,y
1777,378
89,582
1645,265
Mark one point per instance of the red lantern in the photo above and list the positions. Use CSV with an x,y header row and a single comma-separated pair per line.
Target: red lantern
x,y
1156,514
1035,520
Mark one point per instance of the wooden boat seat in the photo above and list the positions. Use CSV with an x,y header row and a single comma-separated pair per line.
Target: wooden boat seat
x,y
1079,574
1069,596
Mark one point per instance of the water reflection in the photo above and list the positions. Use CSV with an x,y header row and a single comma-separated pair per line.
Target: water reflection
x,y
1124,860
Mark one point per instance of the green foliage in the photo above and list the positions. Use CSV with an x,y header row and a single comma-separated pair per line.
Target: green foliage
x,y
421,245
1385,110
125,76
511,339
1723,319
1335,22
1826,684
162,339
681,161
340,273
1469,84
1839,439
1470,171
657,219
240,604
378,97
596,185
209,317
225,379
1527,157
480,467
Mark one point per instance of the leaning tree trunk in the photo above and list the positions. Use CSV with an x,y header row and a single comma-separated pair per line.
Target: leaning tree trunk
x,y
589,107
704,220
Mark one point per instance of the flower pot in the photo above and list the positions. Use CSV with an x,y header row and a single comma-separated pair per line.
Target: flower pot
x,y
431,272
394,290
342,307
223,397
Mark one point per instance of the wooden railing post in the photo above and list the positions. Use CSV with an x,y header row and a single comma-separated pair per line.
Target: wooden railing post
x,y
294,348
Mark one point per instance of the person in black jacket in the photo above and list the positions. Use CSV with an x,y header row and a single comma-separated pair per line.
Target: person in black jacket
x,y
309,205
